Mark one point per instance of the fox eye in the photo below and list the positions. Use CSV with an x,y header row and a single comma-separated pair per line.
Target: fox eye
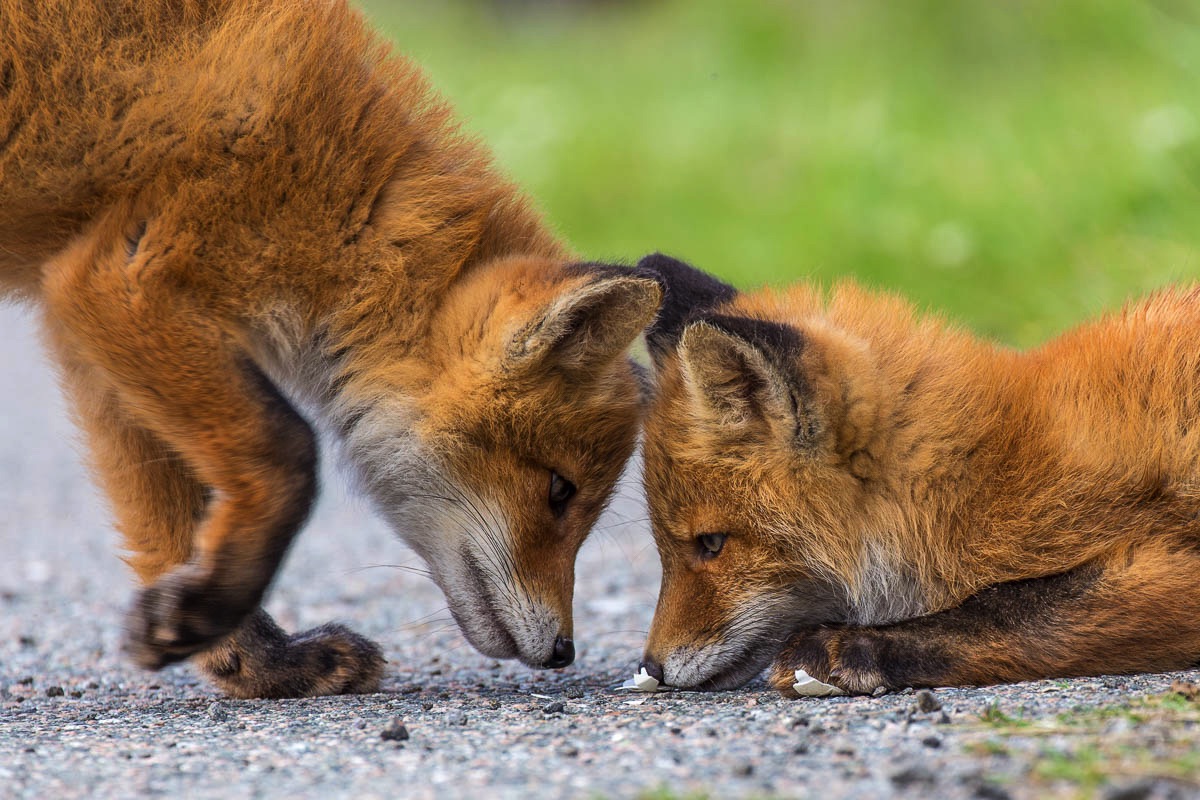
x,y
561,492
711,544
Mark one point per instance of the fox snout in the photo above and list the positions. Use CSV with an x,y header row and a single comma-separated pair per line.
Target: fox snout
x,y
502,616
652,668
516,627
702,638
563,654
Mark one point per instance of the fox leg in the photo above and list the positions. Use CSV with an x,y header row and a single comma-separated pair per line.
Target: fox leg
x,y
210,472
1134,611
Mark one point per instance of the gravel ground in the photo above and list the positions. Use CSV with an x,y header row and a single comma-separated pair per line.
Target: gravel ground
x,y
76,720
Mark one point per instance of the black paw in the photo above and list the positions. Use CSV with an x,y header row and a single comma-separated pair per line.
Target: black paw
x,y
807,650
848,658
178,616
341,661
260,660
858,666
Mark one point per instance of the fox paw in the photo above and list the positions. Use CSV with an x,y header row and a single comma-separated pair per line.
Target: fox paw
x,y
848,658
178,616
261,661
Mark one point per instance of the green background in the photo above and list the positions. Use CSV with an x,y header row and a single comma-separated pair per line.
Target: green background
x,y
1016,166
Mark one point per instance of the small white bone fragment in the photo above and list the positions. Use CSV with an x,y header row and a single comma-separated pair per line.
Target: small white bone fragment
x,y
808,686
644,681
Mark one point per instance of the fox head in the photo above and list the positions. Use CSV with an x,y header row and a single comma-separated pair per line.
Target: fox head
x,y
519,413
763,431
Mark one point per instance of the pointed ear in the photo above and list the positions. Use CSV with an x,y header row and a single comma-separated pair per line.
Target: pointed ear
x,y
688,293
744,379
590,325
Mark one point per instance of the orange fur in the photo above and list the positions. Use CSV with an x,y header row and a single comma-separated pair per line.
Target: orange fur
x,y
213,201
934,466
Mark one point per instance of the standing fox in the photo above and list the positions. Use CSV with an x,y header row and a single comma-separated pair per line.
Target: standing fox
x,y
223,207
842,486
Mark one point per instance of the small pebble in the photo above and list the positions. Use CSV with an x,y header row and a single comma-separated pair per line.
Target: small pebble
x,y
395,731
912,775
55,691
456,718
990,791
1139,790
568,750
933,740
743,769
218,713
557,707
927,703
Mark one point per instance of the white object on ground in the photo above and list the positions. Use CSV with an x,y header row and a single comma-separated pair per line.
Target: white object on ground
x,y
644,681
808,686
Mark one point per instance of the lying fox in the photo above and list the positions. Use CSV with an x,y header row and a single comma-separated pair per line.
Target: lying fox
x,y
224,208
840,485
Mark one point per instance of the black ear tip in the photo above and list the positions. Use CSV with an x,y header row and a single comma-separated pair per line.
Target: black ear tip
x,y
663,265
650,261
687,280
689,294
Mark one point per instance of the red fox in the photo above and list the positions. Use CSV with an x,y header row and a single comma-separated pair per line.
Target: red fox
x,y
841,485
228,209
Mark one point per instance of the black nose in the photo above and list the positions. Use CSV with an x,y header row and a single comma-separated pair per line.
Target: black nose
x,y
653,669
564,653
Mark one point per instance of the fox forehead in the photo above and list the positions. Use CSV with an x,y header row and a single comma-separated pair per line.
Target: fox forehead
x,y
695,482
690,498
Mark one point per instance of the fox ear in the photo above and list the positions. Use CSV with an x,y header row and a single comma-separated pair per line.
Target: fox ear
x,y
688,292
744,378
590,326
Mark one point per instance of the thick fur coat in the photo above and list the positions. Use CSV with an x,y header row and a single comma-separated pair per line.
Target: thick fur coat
x,y
841,484
230,209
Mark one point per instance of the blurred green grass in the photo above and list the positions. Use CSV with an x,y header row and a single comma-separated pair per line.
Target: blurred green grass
x,y
1017,166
